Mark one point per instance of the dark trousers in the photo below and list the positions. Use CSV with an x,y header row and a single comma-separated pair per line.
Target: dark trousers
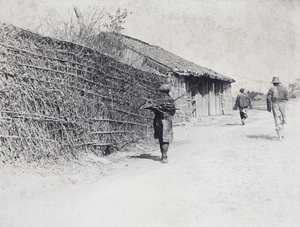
x,y
164,146
243,113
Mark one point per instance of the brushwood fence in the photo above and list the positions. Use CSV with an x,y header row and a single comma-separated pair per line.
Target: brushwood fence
x,y
58,98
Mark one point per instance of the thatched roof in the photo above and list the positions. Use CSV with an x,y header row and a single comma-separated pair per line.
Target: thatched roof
x,y
173,62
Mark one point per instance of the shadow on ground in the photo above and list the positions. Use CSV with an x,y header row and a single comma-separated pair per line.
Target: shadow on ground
x,y
266,137
233,124
147,156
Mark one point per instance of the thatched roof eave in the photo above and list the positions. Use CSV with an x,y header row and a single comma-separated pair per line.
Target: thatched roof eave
x,y
211,75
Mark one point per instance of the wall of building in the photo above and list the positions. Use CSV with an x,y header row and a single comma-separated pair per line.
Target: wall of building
x,y
226,99
195,96
209,97
181,96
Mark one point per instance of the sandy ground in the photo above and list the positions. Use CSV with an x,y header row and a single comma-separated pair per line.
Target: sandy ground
x,y
220,174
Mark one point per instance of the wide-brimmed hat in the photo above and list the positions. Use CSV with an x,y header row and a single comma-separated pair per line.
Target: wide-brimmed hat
x,y
165,87
276,80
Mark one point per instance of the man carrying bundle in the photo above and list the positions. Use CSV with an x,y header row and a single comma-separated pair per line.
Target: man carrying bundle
x,y
164,109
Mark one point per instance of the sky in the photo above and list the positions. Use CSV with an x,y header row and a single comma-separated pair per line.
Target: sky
x,y
249,40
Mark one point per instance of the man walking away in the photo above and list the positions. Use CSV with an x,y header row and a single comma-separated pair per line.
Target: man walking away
x,y
276,99
164,109
242,102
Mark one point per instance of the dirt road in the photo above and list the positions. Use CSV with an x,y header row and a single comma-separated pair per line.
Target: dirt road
x,y
220,174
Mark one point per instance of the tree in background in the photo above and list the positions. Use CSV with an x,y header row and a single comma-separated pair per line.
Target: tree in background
x,y
253,94
93,27
294,89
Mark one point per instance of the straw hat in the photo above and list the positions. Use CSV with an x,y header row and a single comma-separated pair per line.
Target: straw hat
x,y
276,80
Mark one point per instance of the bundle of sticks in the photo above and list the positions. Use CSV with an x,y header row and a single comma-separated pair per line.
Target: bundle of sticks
x,y
160,106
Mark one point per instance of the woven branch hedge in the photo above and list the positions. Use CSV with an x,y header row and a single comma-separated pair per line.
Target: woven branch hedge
x,y
58,98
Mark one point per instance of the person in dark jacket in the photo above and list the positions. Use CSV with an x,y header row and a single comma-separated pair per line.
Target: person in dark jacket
x,y
276,99
242,102
164,109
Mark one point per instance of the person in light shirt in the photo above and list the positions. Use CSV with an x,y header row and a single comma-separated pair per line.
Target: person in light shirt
x,y
276,99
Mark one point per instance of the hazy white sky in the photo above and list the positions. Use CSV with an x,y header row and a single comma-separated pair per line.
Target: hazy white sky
x,y
249,40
